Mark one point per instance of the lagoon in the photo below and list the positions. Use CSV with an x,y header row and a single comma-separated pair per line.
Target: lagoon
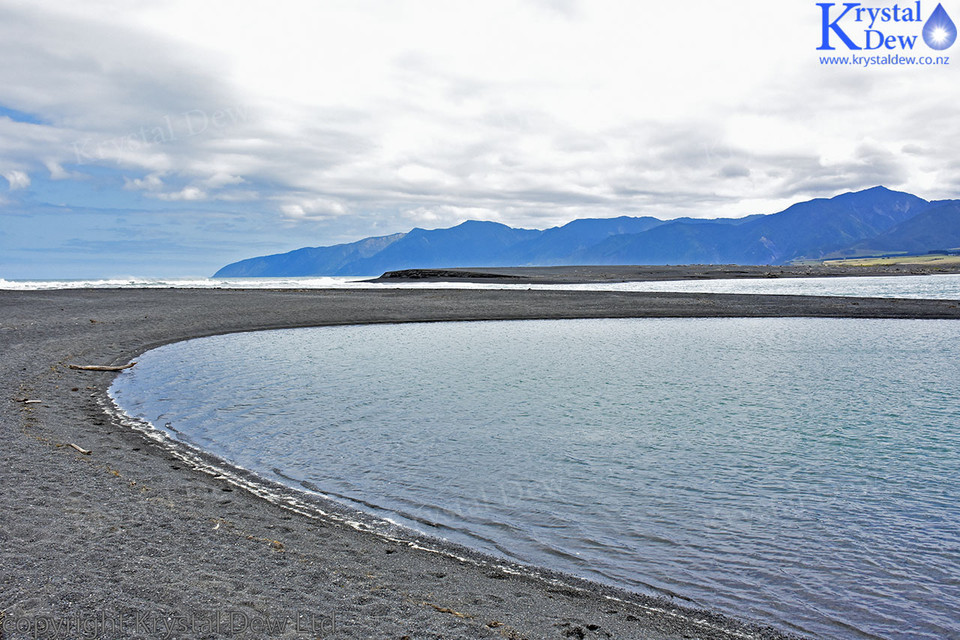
x,y
804,472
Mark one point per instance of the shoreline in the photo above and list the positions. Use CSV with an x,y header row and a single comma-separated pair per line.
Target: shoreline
x,y
132,527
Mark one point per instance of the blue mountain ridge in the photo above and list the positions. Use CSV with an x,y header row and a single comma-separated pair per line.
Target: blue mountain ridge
x,y
936,228
849,224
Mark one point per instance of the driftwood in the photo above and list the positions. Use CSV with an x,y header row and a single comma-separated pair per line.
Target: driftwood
x,y
80,449
97,367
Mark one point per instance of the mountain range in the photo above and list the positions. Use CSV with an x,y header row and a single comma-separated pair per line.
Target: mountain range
x,y
871,222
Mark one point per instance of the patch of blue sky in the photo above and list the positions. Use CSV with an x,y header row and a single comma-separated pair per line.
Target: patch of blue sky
x,y
20,116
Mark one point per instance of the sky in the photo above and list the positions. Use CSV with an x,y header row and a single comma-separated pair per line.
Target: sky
x,y
167,138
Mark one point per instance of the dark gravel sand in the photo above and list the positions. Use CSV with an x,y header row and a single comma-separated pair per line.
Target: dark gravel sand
x,y
132,541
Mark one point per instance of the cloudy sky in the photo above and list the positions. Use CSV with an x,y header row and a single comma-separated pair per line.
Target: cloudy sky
x,y
168,137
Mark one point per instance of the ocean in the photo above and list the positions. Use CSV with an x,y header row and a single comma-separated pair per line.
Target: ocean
x,y
945,286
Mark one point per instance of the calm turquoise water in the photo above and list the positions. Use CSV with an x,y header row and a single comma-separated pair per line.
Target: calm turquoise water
x,y
802,472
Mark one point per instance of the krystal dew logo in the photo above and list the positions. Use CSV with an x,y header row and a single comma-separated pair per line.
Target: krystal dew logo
x,y
855,26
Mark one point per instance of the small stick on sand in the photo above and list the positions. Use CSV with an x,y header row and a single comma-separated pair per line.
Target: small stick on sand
x,y
80,449
97,367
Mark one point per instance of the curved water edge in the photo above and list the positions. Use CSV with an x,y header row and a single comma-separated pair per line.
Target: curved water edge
x,y
310,502
770,488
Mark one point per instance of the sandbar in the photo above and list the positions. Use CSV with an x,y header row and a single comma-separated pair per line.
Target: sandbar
x,y
106,530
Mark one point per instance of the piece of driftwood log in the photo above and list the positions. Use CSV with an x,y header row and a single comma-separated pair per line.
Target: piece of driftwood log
x,y
97,367
80,449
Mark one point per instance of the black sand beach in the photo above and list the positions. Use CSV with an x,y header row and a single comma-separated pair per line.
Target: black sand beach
x,y
131,541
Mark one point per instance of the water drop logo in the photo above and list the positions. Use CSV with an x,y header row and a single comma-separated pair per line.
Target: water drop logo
x,y
939,33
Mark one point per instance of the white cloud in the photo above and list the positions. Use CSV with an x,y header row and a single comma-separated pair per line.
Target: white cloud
x,y
222,179
16,179
187,194
152,182
57,172
313,209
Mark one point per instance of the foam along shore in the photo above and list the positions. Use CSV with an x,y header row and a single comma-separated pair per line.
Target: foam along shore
x,y
106,528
